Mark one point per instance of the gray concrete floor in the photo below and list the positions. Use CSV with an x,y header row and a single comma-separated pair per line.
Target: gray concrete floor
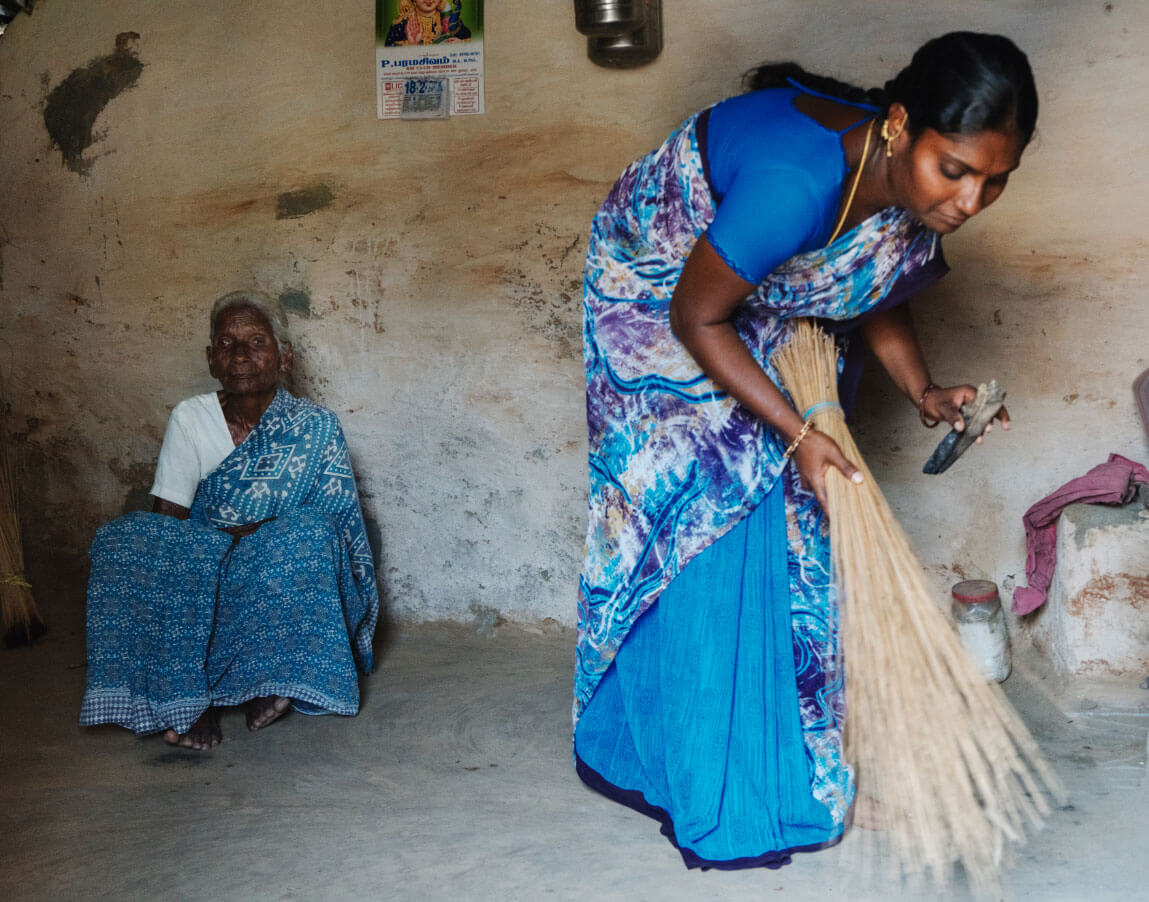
x,y
455,782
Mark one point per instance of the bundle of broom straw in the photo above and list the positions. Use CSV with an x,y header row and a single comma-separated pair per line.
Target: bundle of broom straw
x,y
954,770
19,619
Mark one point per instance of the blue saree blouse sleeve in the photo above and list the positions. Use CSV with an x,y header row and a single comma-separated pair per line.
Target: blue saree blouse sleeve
x,y
767,216
776,176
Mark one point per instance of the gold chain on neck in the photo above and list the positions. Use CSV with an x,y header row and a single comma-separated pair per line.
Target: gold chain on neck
x,y
854,187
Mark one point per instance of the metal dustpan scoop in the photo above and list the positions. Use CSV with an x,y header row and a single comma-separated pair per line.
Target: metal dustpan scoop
x,y
977,415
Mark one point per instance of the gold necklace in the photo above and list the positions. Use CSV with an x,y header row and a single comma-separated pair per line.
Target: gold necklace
x,y
854,188
429,27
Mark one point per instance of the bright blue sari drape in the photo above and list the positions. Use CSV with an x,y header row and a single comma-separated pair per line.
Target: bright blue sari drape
x,y
699,714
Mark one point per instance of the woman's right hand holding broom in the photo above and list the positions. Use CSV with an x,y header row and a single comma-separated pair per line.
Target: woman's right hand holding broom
x,y
815,456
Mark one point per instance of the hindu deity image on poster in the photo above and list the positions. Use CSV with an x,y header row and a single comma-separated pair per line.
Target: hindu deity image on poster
x,y
429,58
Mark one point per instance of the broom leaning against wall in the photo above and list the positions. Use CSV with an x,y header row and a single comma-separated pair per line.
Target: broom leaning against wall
x,y
19,619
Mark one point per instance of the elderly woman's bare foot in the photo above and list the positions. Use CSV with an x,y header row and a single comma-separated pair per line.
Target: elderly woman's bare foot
x,y
203,736
264,710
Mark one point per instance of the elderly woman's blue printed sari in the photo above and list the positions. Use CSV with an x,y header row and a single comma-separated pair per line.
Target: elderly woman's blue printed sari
x,y
719,710
182,617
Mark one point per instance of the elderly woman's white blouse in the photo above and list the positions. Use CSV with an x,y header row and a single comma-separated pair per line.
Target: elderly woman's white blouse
x,y
197,441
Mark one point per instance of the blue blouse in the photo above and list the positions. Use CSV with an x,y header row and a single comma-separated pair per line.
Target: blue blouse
x,y
777,179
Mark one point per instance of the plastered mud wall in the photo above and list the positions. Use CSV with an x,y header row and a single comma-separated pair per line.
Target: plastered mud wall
x,y
156,156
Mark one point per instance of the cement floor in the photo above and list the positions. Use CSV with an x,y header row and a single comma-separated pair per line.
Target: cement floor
x,y
455,782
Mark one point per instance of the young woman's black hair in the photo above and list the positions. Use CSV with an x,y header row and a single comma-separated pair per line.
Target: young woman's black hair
x,y
960,83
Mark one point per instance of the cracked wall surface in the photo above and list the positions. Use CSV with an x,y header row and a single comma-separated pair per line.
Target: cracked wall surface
x,y
159,156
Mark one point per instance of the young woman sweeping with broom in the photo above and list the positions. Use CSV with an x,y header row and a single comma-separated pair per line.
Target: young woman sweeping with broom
x,y
708,693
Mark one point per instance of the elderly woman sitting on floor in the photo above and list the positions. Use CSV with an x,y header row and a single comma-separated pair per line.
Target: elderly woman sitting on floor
x,y
252,581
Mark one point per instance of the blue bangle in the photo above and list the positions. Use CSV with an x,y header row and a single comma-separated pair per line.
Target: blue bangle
x,y
819,406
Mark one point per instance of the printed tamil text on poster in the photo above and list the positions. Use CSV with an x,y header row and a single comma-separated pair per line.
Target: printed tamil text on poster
x,y
428,58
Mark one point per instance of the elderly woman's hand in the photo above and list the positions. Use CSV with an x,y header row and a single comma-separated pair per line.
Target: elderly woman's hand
x,y
944,405
245,529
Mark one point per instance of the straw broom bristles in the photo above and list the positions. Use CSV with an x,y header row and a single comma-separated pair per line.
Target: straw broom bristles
x,y
19,620
939,746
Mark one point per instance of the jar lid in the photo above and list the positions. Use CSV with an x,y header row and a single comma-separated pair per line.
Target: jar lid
x,y
975,591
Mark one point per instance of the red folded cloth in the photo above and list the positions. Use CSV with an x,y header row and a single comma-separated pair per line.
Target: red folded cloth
x,y
1113,482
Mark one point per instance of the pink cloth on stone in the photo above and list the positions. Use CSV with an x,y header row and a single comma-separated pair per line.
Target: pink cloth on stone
x,y
1113,482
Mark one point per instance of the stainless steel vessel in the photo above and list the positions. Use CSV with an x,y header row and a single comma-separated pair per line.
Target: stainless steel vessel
x,y
605,18
635,48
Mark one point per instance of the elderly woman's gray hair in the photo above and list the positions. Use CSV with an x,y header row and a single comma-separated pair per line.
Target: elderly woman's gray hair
x,y
265,304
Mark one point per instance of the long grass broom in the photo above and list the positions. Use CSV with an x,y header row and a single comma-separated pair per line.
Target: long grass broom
x,y
952,766
19,619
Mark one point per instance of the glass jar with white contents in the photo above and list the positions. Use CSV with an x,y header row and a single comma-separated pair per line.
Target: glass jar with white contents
x,y
981,627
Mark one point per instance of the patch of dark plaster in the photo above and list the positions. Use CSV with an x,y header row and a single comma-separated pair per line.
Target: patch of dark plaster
x,y
137,477
297,302
553,314
1087,517
137,499
76,102
293,204
31,424
374,537
487,619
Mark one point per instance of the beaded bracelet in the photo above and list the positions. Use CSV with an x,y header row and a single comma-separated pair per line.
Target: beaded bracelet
x,y
806,427
929,424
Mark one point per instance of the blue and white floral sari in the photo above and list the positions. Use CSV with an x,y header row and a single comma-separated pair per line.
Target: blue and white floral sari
x,y
182,617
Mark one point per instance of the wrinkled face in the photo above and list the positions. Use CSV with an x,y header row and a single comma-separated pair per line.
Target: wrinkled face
x,y
243,356
943,179
426,7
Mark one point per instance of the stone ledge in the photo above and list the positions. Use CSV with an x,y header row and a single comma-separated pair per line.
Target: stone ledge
x,y
1095,621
